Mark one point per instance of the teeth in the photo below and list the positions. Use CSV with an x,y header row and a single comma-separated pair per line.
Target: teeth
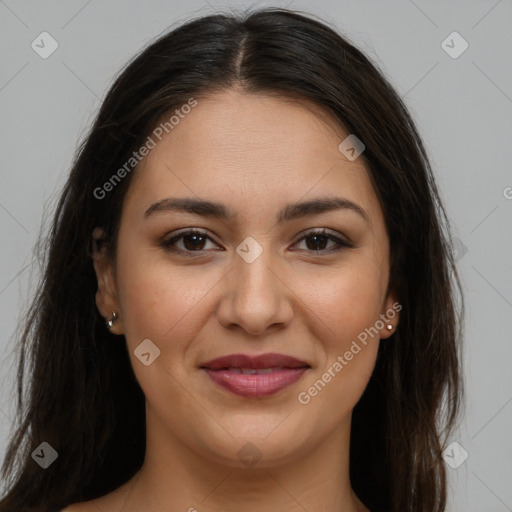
x,y
253,371
266,370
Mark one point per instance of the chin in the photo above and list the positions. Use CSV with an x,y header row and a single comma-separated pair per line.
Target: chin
x,y
253,444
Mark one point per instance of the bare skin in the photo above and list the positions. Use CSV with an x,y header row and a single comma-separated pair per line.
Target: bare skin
x,y
254,153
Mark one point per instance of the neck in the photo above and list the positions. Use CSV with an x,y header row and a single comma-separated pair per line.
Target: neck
x,y
174,477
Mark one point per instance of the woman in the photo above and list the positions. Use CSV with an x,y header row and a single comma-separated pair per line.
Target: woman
x,y
248,301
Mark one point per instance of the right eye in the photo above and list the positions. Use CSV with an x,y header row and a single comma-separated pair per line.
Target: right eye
x,y
192,240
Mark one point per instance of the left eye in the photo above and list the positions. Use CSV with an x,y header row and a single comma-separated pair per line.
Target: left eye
x,y
318,240
194,241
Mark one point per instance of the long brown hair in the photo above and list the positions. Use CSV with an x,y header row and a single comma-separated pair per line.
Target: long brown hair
x,y
81,395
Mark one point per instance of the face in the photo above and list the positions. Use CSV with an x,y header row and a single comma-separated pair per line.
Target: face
x,y
295,293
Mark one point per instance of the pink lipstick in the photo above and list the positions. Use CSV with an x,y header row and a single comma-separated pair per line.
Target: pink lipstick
x,y
255,376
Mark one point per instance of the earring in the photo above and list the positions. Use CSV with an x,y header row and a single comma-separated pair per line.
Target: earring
x,y
110,323
389,327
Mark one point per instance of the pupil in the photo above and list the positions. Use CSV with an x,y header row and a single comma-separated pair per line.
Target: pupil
x,y
194,245
316,243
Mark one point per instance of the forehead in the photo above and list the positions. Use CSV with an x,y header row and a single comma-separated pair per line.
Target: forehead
x,y
250,150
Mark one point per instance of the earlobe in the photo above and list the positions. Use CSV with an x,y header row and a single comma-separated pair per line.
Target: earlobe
x,y
106,295
390,316
110,322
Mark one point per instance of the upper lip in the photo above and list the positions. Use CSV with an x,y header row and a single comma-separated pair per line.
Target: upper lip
x,y
268,360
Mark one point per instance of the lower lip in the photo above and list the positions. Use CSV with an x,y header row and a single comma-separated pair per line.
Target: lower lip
x,y
255,385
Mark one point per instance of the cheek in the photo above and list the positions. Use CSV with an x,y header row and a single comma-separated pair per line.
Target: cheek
x,y
346,306
157,300
346,300
162,304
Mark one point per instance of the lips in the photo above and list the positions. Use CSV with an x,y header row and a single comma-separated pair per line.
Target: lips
x,y
255,376
269,360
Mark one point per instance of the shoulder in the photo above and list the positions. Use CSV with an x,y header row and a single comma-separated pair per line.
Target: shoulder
x,y
83,506
111,501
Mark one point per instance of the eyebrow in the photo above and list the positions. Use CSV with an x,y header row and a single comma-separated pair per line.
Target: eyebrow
x,y
290,212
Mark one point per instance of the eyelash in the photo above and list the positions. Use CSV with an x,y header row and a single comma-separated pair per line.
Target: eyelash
x,y
169,244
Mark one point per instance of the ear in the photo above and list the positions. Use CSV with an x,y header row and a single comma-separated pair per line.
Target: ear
x,y
390,315
106,295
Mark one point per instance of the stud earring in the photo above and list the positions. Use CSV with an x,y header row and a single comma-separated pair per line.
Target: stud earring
x,y
110,323
389,327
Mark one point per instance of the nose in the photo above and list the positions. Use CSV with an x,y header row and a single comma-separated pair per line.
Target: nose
x,y
256,297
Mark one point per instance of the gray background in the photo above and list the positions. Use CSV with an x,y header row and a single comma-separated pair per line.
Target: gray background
x,y
463,108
